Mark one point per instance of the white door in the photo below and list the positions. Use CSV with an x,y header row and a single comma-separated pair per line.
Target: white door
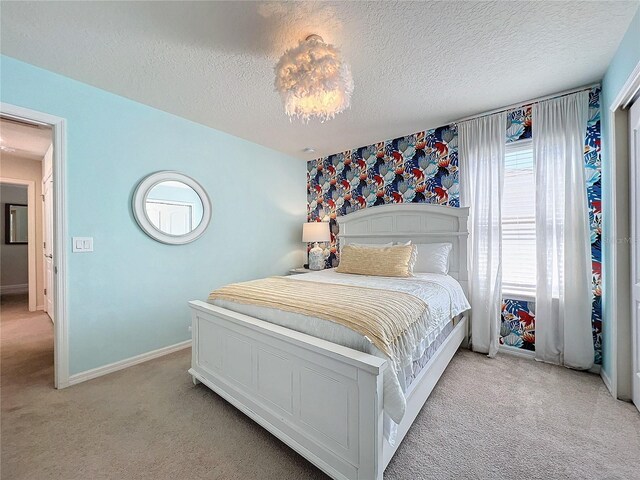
x,y
47,196
634,158
169,217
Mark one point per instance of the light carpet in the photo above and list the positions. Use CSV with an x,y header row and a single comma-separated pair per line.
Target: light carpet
x,y
504,418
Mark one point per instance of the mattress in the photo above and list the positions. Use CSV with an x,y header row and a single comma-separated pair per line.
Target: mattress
x,y
410,372
442,293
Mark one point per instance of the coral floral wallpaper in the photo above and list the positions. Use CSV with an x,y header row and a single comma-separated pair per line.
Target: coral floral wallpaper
x,y
423,168
518,327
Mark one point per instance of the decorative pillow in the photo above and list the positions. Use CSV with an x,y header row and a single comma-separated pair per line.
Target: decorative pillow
x,y
414,255
381,262
372,245
432,258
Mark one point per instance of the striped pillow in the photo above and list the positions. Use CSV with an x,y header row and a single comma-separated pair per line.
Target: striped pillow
x,y
380,262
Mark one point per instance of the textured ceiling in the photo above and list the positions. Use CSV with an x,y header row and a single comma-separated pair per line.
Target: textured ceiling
x,y
415,65
25,141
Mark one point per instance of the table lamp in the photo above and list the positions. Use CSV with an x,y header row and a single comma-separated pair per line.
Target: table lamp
x,y
316,232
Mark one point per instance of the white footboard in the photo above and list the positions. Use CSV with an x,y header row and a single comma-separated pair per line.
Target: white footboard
x,y
321,399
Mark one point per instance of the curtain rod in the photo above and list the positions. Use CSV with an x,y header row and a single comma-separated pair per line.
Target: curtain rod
x,y
528,102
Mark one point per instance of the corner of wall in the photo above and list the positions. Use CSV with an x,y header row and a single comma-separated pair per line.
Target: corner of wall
x,y
623,63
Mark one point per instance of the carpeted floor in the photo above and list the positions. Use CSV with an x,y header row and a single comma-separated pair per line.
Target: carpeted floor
x,y
504,418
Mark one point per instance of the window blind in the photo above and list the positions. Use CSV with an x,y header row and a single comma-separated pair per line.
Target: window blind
x,y
519,219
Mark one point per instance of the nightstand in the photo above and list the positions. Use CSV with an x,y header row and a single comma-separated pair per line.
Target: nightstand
x,y
298,271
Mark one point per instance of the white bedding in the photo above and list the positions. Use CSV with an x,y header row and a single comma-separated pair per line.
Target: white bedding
x,y
442,293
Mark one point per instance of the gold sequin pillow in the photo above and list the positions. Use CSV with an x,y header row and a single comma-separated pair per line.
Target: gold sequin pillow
x,y
391,261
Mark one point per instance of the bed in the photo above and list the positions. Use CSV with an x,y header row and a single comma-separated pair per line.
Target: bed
x,y
322,398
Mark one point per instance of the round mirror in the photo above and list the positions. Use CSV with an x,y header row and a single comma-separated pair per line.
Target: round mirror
x,y
171,207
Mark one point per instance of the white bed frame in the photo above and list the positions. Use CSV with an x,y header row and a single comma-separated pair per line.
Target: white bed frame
x,y
324,400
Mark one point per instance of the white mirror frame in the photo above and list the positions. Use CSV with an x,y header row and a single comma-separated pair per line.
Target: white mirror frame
x,y
140,212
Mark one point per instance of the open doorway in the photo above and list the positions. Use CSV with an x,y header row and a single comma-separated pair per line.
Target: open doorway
x,y
58,231
26,277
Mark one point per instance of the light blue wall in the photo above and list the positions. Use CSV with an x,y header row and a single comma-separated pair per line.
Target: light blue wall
x,y
626,58
130,295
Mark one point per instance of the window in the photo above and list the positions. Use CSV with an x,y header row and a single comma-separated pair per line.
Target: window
x,y
519,219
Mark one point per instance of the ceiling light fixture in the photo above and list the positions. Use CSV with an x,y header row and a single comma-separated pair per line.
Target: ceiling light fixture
x,y
313,81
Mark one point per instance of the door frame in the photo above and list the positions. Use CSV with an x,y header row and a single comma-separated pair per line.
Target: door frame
x,y
31,235
621,303
60,233
634,151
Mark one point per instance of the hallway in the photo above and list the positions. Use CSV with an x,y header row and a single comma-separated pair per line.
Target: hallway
x,y
26,346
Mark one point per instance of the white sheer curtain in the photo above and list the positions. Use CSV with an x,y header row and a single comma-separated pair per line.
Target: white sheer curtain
x,y
482,142
563,290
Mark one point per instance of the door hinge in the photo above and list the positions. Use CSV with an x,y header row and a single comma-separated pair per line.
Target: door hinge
x,y
42,197
45,291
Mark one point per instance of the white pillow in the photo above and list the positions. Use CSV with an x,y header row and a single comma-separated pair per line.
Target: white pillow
x,y
429,257
433,258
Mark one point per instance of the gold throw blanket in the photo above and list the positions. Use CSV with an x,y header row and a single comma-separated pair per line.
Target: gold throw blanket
x,y
383,316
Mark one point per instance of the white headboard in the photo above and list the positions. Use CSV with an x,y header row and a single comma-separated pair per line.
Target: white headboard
x,y
418,222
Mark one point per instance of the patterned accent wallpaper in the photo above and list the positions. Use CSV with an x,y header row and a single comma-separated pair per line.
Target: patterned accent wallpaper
x,y
419,168
518,327
423,168
593,166
519,124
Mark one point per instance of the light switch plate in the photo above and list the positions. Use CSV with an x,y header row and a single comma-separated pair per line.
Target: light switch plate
x,y
82,244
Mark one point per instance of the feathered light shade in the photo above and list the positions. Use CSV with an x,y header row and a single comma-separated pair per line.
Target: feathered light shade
x,y
313,81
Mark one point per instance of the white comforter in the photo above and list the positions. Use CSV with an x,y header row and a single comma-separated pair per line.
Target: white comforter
x,y
442,293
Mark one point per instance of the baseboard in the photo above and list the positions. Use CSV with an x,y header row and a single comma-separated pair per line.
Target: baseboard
x,y
39,307
522,353
127,362
607,382
517,352
8,289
